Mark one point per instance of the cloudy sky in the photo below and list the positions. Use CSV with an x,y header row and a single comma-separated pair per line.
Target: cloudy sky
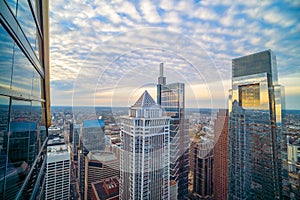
x,y
105,53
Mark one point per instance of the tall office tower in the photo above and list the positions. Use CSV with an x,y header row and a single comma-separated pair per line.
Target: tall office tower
x,y
203,157
98,166
254,135
58,169
71,128
24,97
93,134
75,142
171,98
145,153
74,159
220,165
82,153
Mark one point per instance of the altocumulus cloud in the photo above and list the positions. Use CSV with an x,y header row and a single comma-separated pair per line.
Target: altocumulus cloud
x,y
102,47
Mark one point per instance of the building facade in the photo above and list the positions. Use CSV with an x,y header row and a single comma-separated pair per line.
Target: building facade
x,y
255,135
98,166
93,134
58,172
24,97
294,168
203,157
171,98
220,164
145,153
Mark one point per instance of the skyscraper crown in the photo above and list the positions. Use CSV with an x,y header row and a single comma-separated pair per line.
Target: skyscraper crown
x,y
145,100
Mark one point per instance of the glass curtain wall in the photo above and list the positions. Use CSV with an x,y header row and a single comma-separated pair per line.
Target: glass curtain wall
x,y
24,97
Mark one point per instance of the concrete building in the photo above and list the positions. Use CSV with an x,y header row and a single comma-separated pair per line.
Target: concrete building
x,y
58,171
294,168
107,189
145,153
98,166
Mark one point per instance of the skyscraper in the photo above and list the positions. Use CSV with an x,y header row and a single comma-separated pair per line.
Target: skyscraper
x,y
145,152
220,166
171,97
203,157
58,171
24,98
255,110
93,134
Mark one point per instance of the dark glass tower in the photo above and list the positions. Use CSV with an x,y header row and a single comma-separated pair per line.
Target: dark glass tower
x,y
255,128
24,98
171,98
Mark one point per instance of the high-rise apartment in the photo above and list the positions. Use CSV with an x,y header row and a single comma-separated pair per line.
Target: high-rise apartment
x,y
220,165
255,135
58,171
171,98
24,97
145,151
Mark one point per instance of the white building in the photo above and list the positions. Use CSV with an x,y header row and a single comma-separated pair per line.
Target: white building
x,y
57,184
145,151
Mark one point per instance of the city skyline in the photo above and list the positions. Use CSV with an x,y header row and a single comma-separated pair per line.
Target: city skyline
x,y
105,42
105,137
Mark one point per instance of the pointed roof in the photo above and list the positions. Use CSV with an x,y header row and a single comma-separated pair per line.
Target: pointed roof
x,y
145,100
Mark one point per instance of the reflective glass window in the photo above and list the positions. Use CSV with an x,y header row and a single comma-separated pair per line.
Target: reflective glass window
x,y
6,58
249,95
37,116
27,24
4,116
36,84
20,141
22,73
12,5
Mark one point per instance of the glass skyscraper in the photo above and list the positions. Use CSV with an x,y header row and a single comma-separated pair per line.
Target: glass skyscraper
x,y
255,128
171,98
24,97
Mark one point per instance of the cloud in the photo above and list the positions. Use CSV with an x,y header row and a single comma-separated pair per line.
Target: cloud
x,y
109,43
149,12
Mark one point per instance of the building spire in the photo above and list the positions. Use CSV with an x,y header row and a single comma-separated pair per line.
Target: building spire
x,y
161,78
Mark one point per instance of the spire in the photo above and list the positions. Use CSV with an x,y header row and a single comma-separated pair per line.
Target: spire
x,y
145,100
161,78
161,71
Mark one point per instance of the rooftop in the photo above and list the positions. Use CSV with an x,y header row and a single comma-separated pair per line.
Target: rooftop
x,y
57,149
101,156
93,123
145,100
107,188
